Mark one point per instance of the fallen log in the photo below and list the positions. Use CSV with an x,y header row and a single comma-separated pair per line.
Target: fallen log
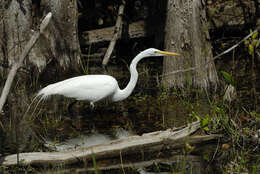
x,y
149,142
136,30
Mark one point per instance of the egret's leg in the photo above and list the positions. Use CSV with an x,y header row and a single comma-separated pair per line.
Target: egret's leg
x,y
92,105
70,110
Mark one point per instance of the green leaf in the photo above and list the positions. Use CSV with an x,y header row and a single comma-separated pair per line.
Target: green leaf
x,y
206,128
254,114
257,43
254,36
196,116
219,110
251,49
228,77
204,122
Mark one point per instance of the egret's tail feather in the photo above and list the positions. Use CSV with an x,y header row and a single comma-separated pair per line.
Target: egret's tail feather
x,y
46,92
36,97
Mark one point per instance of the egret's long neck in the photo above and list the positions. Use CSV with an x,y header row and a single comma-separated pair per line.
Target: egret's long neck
x,y
124,93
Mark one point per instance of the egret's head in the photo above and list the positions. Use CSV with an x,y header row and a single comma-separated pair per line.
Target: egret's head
x,y
155,52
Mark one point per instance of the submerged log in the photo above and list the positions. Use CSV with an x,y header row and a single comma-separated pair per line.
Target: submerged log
x,y
150,142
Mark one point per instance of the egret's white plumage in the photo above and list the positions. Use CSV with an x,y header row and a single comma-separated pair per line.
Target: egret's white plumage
x,y
78,87
94,88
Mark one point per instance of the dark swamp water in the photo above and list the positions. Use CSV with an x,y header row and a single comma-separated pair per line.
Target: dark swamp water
x,y
137,115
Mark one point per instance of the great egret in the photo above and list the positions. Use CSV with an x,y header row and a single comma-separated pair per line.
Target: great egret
x,y
94,88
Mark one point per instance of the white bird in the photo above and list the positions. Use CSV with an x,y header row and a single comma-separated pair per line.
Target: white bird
x,y
94,88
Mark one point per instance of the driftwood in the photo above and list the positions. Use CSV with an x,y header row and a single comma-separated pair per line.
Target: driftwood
x,y
117,33
19,63
149,142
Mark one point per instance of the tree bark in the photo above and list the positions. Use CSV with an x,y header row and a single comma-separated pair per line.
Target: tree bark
x,y
58,44
62,46
19,63
187,33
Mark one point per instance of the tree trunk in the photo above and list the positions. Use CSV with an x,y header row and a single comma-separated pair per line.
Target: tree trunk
x,y
187,33
20,17
59,44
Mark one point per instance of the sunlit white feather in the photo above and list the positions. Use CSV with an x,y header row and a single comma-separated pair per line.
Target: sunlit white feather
x,y
88,87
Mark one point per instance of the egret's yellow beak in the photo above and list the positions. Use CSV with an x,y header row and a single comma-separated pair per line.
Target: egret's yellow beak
x,y
168,53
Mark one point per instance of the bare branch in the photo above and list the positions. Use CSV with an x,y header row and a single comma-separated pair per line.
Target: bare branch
x,y
117,34
214,58
18,64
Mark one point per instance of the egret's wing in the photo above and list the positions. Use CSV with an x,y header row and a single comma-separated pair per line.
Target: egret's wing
x,y
90,87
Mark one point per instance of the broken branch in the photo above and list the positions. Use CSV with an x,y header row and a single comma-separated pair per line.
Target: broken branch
x,y
214,58
19,63
117,34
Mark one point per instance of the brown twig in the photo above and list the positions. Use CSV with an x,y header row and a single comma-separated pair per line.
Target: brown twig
x,y
117,34
19,63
